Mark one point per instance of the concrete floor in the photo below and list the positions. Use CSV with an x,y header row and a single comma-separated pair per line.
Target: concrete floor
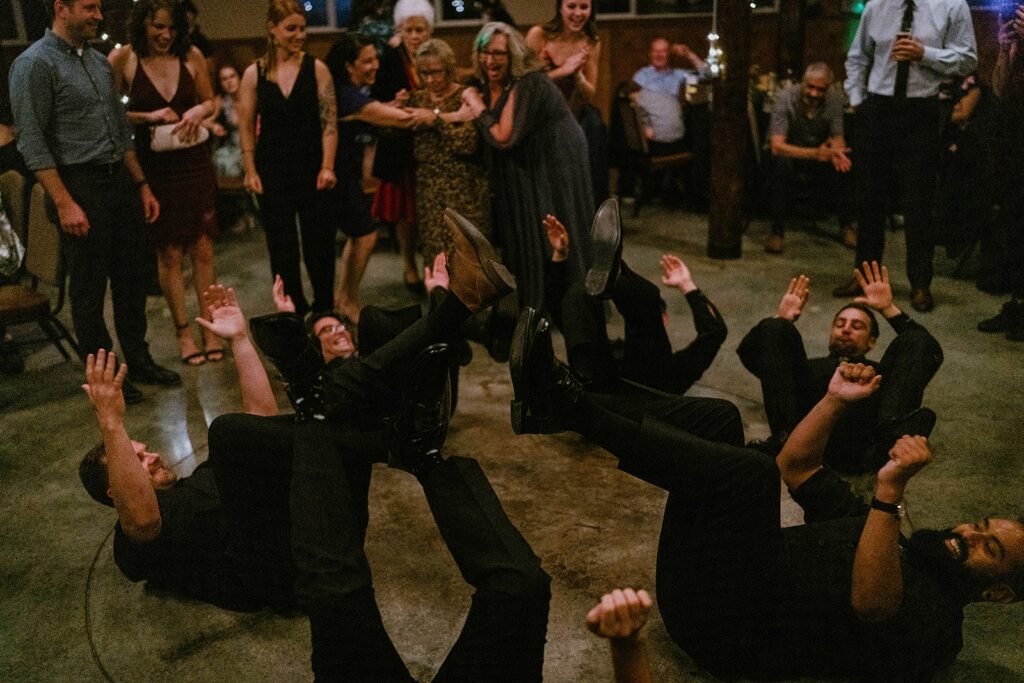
x,y
67,614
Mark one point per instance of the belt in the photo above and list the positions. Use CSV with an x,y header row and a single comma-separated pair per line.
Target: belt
x,y
94,167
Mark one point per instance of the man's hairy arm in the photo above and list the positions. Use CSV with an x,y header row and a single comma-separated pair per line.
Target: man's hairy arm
x,y
803,451
130,487
876,591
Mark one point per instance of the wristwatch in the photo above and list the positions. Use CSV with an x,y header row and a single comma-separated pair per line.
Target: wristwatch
x,y
437,116
897,510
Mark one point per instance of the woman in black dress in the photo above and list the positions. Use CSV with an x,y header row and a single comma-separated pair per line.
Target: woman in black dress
x,y
291,165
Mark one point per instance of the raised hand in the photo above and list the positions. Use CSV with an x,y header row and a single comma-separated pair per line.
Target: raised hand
x,y
103,381
874,282
620,614
282,302
558,237
438,275
908,456
674,273
792,303
853,382
226,318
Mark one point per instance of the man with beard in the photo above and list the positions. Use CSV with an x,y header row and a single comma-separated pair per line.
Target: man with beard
x,y
791,383
809,153
842,595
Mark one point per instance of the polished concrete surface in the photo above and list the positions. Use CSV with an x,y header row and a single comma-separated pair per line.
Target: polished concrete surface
x,y
66,613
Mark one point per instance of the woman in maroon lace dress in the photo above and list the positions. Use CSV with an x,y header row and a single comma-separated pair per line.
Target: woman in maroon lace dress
x,y
166,82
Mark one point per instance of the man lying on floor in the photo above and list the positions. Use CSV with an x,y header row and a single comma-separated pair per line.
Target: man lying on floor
x,y
295,489
645,356
843,595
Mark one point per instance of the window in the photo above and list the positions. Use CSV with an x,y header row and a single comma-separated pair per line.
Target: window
x,y
328,14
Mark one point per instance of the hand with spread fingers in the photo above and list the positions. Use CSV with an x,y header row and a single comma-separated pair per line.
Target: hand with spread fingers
x,y
226,318
675,273
792,303
103,381
877,292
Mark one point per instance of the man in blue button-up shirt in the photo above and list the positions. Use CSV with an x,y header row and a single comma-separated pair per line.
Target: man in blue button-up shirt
x,y
73,134
898,123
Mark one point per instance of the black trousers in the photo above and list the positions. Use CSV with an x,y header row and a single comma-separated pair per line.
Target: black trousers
x,y
816,184
721,542
899,147
280,205
504,633
791,384
113,250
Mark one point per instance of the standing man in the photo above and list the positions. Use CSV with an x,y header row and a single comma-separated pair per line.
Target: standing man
x,y
903,49
808,149
74,135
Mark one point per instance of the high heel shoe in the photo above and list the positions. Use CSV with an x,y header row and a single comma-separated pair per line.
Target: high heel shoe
x,y
192,359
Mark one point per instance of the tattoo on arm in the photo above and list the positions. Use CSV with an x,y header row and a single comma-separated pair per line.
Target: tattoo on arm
x,y
328,108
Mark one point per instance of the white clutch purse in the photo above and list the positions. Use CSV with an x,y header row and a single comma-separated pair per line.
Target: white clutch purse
x,y
163,139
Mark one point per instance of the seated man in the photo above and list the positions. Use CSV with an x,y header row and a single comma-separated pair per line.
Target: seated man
x,y
791,383
661,110
808,150
843,595
645,356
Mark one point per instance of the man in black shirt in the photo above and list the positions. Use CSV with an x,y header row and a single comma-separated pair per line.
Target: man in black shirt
x,y
842,595
791,383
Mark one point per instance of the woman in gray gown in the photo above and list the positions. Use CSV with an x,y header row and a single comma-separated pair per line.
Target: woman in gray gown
x,y
538,160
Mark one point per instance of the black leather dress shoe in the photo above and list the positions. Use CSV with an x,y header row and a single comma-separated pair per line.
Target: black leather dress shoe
x,y
283,339
145,370
421,424
606,244
921,299
131,393
543,386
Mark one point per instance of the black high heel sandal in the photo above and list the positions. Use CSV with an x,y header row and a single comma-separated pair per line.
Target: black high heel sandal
x,y
193,359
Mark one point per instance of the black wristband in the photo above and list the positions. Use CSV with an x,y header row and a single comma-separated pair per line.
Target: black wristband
x,y
894,509
140,183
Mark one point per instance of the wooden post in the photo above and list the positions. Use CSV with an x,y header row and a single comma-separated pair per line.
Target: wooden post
x,y
730,132
792,26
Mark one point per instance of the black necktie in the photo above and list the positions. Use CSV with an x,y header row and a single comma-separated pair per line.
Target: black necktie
x,y
903,68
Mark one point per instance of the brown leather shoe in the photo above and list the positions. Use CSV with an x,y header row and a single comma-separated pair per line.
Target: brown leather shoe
x,y
848,289
475,275
775,244
921,299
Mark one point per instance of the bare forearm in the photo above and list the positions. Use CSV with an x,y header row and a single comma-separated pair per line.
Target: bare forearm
x,y
802,453
877,587
257,394
131,162
51,181
784,149
629,660
130,488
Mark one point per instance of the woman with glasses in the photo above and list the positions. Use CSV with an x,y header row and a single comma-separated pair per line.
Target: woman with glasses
x,y
449,170
538,162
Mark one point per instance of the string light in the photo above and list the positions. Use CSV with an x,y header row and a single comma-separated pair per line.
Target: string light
x,y
716,57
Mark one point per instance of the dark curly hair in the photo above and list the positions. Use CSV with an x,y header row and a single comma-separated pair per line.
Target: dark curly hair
x,y
345,51
555,26
146,9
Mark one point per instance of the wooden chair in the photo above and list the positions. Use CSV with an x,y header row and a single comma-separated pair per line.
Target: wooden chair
x,y
21,303
641,162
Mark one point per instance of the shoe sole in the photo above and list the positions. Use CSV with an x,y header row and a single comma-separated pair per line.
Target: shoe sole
x,y
522,348
498,275
602,233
